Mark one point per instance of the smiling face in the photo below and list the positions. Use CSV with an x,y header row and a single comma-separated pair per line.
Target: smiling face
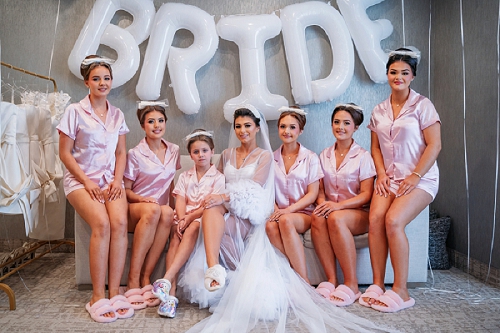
x,y
99,82
399,76
154,125
343,126
201,153
245,129
289,129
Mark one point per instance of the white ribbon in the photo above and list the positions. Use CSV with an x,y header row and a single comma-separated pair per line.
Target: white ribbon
x,y
410,54
352,106
289,109
192,135
105,60
143,104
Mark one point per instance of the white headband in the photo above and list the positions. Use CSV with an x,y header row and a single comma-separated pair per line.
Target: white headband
x,y
143,104
192,135
289,109
410,54
105,60
353,106
250,107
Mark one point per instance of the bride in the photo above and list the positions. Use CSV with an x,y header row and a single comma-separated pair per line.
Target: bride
x,y
262,290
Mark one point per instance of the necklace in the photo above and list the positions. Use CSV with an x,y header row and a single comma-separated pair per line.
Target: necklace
x,y
245,157
100,113
342,154
289,157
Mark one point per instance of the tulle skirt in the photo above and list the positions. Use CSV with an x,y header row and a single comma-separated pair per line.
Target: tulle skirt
x,y
266,293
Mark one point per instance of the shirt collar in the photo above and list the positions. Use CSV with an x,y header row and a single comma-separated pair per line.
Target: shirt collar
x,y
87,106
212,171
353,150
413,98
302,154
146,151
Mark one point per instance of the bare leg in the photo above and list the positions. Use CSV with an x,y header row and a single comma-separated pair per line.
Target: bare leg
x,y
377,238
117,211
143,223
213,230
184,250
95,214
402,211
158,246
290,225
323,247
274,235
342,226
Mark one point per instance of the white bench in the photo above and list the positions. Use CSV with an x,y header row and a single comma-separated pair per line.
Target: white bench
x,y
417,233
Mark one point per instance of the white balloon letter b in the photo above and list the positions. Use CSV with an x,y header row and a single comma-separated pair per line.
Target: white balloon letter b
x,y
98,30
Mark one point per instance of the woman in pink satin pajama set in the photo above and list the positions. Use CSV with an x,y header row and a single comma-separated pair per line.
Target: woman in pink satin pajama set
x,y
406,141
93,149
297,172
343,201
149,175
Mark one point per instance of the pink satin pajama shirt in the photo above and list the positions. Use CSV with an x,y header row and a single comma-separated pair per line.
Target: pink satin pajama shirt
x,y
402,141
151,177
95,142
291,187
194,191
345,182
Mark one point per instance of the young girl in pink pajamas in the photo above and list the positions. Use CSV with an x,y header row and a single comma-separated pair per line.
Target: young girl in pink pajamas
x,y
342,211
297,172
406,140
93,150
149,173
192,187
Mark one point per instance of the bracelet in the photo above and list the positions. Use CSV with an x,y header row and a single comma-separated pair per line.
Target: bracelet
x,y
222,198
417,174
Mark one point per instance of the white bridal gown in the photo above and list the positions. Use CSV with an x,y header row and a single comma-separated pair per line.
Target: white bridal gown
x,y
264,293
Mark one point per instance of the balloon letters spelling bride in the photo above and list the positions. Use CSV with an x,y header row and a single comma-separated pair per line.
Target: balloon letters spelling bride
x,y
249,32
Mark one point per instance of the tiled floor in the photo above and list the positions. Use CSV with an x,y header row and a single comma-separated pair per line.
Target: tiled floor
x,y
48,301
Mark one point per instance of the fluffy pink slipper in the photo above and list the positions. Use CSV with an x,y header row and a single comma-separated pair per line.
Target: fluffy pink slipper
x,y
148,287
99,309
346,295
373,291
393,301
136,299
120,302
150,299
325,289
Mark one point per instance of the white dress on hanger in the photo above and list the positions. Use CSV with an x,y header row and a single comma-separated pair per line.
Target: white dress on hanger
x,y
15,180
52,209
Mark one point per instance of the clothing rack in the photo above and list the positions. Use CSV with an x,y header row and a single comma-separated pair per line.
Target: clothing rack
x,y
24,258
31,73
